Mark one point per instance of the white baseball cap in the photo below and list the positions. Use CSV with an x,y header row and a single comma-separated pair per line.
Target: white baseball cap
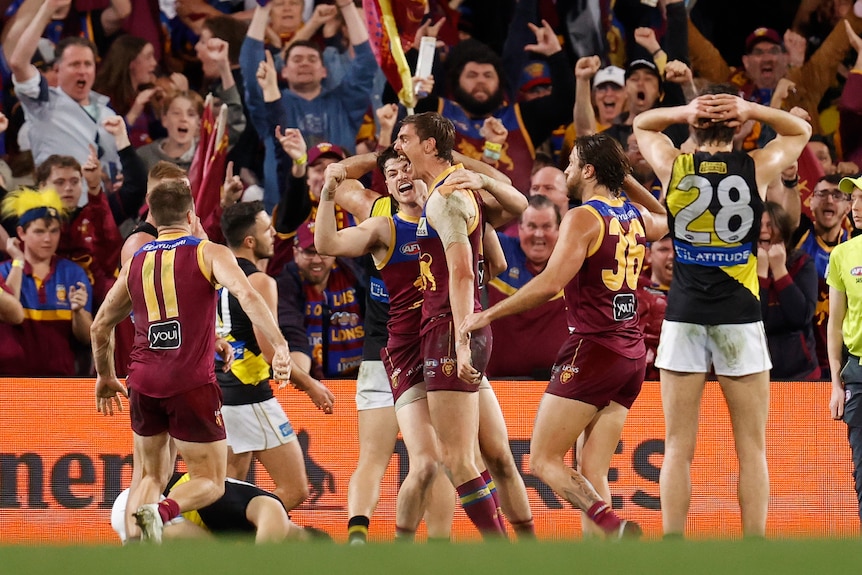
x,y
612,74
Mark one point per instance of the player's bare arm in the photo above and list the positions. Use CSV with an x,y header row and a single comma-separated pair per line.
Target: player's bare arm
x,y
227,272
652,211
480,167
792,132
492,253
116,307
579,230
503,202
656,147
266,286
452,215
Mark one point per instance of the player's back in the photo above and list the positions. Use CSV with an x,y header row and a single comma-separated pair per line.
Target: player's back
x,y
174,306
714,211
601,299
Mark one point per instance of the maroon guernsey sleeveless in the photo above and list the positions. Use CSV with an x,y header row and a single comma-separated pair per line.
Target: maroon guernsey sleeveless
x,y
400,272
601,300
174,306
433,269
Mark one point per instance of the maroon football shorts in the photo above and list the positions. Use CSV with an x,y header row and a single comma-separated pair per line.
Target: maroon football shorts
x,y
402,359
589,372
441,366
193,416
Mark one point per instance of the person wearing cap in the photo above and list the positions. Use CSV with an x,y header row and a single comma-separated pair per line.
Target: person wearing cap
x,y
844,334
67,119
599,97
766,62
55,292
714,202
476,79
321,114
535,81
817,237
321,310
301,192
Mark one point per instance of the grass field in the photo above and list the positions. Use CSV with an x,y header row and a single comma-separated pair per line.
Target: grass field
x,y
578,557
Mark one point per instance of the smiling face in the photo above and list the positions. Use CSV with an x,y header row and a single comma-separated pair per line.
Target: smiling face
x,y
766,64
829,205
538,233
304,68
610,100
399,182
142,69
313,267
182,121
76,72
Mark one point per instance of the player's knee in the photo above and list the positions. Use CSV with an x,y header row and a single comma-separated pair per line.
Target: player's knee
x,y
293,496
501,464
216,489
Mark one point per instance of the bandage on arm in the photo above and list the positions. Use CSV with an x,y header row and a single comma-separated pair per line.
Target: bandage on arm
x,y
451,215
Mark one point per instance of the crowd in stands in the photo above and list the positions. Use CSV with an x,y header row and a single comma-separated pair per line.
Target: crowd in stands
x,y
99,93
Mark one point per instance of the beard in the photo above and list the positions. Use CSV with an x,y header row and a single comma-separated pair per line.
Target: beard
x,y
475,107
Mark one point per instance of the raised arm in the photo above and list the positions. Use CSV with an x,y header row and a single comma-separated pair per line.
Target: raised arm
x,y
656,147
653,213
353,241
25,47
793,134
583,112
356,30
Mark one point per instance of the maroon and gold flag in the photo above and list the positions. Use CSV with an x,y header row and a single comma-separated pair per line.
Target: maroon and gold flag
x,y
206,174
391,26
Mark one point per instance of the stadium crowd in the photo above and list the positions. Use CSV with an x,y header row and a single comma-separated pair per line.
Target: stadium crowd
x,y
104,100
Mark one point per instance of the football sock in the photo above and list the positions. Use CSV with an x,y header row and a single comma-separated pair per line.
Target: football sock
x,y
168,509
603,516
492,487
357,528
479,506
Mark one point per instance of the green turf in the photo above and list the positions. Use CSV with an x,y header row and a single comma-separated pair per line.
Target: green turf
x,y
819,557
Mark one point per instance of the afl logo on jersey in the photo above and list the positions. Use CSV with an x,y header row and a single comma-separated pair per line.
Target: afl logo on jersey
x,y
410,249
856,272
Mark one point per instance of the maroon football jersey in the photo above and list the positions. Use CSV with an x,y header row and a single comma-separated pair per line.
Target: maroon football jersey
x,y
174,306
601,299
400,273
434,271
